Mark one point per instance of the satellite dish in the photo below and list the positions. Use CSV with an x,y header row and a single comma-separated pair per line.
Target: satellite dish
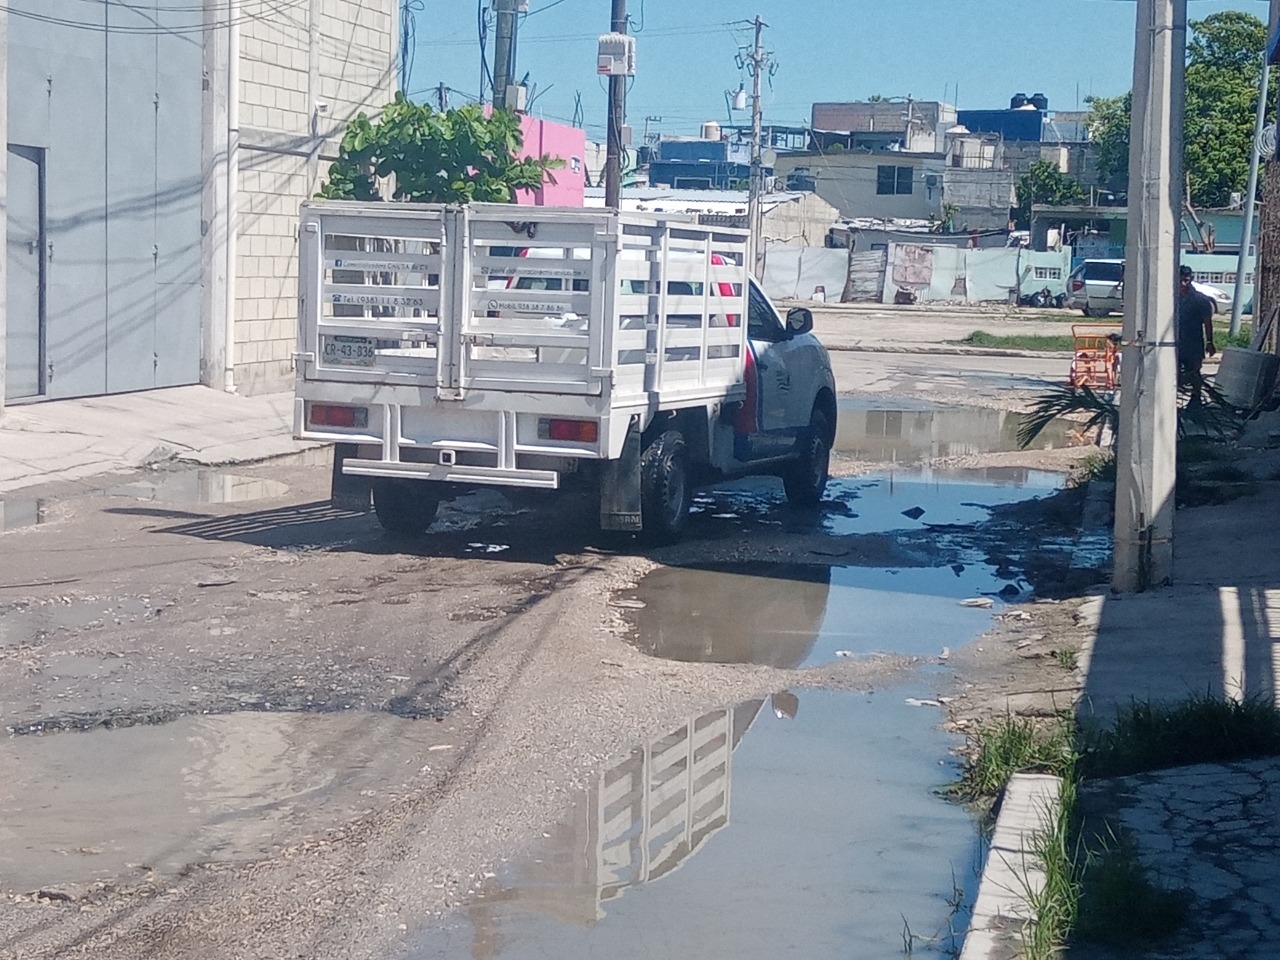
x,y
1266,145
769,158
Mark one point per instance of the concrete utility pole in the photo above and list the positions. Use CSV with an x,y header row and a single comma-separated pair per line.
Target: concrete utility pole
x,y
4,192
617,118
1147,453
759,60
503,45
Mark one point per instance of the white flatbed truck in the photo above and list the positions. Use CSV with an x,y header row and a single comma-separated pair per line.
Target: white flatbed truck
x,y
448,348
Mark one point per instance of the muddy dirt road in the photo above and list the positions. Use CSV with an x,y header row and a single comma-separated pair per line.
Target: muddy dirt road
x,y
244,724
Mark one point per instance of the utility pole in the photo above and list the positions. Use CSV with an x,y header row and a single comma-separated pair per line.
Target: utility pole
x,y
759,59
442,97
617,118
1147,451
647,121
1250,202
4,190
503,45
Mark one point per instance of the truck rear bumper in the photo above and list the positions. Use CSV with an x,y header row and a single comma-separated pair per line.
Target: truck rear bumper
x,y
454,473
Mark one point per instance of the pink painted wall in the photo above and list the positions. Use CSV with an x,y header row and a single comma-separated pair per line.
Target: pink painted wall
x,y
547,138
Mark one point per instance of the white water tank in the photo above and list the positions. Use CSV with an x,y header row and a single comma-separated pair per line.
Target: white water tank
x,y
711,130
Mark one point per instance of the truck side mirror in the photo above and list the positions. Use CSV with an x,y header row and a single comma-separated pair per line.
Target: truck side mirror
x,y
799,321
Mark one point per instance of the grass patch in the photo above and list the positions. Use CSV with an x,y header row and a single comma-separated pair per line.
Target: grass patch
x,y
1098,466
1150,736
1224,473
1020,341
1096,888
1068,657
1119,904
1200,450
1058,853
1222,335
1013,745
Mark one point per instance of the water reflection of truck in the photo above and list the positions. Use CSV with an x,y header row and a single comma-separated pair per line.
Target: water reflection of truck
x,y
642,819
612,355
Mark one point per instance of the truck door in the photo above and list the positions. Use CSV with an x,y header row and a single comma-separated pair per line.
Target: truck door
x,y
766,419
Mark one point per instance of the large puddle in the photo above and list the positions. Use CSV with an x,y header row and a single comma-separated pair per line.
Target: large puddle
x,y
787,616
117,804
16,513
922,498
903,431
797,827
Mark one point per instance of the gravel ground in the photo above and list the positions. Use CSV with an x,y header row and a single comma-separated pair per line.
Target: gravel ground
x,y
499,630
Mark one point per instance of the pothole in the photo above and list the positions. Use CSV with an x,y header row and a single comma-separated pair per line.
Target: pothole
x,y
122,804
797,826
200,487
902,431
799,615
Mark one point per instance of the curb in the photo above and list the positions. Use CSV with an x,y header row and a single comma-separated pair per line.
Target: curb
x,y
951,351
1011,872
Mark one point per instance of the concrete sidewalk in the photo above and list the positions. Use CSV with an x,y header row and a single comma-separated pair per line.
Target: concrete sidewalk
x,y
1212,829
76,439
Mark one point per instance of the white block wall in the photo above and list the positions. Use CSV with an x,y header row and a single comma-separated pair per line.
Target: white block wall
x,y
351,67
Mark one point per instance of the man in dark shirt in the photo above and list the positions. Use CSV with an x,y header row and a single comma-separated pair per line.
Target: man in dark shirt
x,y
1195,333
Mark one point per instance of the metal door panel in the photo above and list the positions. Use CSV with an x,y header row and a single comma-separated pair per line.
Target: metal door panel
x,y
131,201
178,196
75,223
24,258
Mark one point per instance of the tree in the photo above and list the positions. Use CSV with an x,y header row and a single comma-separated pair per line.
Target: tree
x,y
455,156
1224,74
1045,183
1108,125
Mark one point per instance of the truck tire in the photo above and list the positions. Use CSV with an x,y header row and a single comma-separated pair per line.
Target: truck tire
x,y
665,491
405,508
806,478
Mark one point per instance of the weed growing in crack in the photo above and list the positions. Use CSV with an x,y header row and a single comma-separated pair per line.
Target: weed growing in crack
x,y
1068,657
1058,853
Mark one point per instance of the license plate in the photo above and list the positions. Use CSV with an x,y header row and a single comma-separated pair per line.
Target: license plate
x,y
347,351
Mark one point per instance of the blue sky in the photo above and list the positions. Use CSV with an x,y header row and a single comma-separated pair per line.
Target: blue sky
x,y
976,52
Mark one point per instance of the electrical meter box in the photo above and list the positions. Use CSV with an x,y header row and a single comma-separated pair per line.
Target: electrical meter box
x,y
617,55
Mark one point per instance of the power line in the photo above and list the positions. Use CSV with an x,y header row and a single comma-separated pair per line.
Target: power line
x,y
156,29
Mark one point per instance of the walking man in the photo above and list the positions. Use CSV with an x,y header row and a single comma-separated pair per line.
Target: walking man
x,y
1195,333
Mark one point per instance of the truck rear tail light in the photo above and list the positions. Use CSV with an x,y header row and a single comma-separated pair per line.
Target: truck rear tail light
x,y
332,415
574,431
1077,286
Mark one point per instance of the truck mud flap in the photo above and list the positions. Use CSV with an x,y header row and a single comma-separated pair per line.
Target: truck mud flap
x,y
620,486
348,492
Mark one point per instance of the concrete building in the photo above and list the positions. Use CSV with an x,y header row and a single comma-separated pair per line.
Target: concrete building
x,y
795,218
156,157
890,185
917,126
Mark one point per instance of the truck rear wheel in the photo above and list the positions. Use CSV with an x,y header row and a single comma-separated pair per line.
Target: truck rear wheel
x,y
405,508
665,491
806,479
